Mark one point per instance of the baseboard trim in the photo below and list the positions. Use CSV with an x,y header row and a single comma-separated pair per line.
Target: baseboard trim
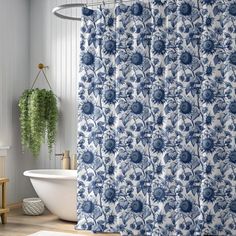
x,y
15,205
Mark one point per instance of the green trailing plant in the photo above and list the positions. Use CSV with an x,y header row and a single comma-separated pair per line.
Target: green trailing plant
x,y
38,119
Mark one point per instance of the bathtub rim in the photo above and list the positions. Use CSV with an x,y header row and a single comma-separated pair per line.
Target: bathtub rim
x,y
51,174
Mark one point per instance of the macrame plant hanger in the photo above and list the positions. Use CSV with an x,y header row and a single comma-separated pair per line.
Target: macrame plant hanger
x,y
41,69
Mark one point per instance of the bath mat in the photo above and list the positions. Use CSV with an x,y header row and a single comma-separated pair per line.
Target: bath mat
x,y
52,233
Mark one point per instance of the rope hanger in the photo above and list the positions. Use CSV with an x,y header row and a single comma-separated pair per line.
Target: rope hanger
x,y
41,69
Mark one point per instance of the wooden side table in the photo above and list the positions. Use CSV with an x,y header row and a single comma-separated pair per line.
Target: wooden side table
x,y
3,209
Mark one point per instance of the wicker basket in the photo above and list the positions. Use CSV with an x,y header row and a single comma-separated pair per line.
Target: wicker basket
x,y
33,206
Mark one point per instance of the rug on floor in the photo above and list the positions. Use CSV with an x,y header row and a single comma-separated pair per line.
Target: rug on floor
x,y
51,233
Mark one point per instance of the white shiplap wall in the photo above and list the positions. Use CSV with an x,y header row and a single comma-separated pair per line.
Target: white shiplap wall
x,y
14,79
55,42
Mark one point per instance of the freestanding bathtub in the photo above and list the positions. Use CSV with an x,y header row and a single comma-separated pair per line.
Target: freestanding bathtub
x,y
57,189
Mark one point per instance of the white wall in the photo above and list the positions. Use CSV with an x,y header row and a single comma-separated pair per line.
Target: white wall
x,y
31,34
14,79
55,42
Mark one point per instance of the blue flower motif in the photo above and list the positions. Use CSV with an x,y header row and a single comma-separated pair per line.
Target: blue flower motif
x,y
208,120
208,169
208,144
110,96
159,2
111,71
111,170
232,107
159,194
185,107
111,120
218,129
218,227
159,120
137,107
137,59
136,156
87,207
159,96
232,58
232,9
87,12
208,2
209,218
159,21
185,9
208,21
232,206
160,218
209,70
186,58
137,206
88,108
232,156
186,206
136,9
185,156
110,194
110,145
208,46
208,194
158,144
88,58
111,219
110,46
159,46
160,71
110,21
208,95
159,169
88,157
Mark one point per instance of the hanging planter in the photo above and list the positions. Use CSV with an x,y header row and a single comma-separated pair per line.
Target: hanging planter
x,y
38,118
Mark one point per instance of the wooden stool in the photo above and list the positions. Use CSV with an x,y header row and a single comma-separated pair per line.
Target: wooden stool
x,y
4,209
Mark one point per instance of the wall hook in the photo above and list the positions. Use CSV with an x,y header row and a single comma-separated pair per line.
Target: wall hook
x,y
42,66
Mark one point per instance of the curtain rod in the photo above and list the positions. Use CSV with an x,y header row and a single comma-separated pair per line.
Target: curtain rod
x,y
57,9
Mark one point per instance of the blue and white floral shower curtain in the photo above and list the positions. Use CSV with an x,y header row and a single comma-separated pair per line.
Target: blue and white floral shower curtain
x,y
157,119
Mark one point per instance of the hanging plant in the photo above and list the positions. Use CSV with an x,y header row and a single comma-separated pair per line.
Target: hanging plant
x,y
38,119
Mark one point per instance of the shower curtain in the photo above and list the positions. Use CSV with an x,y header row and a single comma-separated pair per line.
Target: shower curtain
x,y
157,118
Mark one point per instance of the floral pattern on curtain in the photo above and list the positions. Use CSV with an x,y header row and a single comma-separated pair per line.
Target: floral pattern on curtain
x,y
157,119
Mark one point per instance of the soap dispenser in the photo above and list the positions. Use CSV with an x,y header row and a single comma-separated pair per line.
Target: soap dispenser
x,y
73,162
65,158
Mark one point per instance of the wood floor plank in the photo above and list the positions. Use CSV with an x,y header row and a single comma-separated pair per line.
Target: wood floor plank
x,y
22,225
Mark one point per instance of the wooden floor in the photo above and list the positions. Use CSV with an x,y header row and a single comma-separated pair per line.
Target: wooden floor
x,y
21,225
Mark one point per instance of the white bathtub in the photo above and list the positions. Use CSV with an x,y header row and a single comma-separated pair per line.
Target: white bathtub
x,y
57,189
